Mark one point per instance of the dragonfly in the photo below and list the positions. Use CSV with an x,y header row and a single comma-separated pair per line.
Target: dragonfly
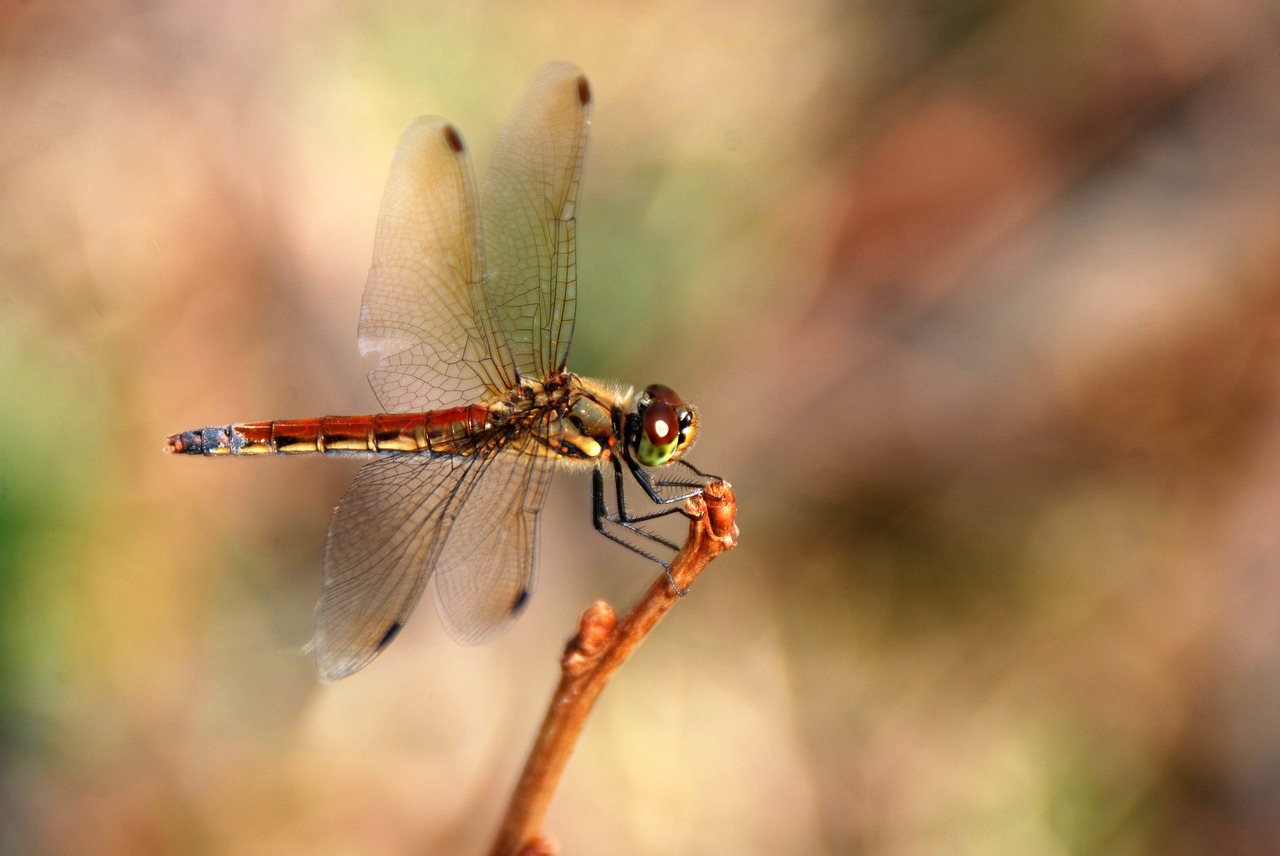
x,y
470,307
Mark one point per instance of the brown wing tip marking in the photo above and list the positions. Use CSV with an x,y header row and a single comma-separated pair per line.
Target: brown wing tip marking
x,y
391,633
584,90
453,138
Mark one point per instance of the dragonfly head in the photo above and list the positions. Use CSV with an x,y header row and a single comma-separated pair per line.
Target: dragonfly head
x,y
660,427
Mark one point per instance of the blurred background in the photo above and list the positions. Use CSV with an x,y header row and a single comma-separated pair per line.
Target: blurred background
x,y
980,302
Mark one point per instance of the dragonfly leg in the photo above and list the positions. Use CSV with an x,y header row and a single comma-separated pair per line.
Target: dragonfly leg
x,y
641,475
650,487
685,463
601,517
621,517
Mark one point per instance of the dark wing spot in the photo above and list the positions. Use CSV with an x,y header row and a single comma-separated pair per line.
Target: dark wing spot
x,y
453,138
391,633
520,600
584,90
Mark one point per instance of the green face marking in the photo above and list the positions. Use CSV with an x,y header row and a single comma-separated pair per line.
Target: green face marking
x,y
650,454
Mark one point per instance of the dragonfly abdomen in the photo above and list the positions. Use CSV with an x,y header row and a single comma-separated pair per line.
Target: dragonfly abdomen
x,y
436,432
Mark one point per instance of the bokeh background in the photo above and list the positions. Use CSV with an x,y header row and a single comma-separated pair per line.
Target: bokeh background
x,y
980,301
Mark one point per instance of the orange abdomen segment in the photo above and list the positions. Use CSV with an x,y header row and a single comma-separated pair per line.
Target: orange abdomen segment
x,y
437,431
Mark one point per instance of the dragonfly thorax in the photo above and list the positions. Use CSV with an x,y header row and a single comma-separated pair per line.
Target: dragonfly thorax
x,y
651,428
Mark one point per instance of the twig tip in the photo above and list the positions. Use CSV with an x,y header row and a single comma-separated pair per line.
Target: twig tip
x,y
722,511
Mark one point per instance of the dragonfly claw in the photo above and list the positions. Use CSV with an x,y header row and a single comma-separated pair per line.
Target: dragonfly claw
x,y
675,588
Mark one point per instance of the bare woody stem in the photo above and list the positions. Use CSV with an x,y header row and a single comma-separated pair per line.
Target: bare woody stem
x,y
590,659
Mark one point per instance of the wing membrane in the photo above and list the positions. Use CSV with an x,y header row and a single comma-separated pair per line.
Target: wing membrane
x,y
386,533
529,201
425,310
468,522
485,572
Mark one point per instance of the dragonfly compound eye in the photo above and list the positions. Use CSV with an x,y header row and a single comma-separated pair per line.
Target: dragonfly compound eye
x,y
659,392
660,431
660,423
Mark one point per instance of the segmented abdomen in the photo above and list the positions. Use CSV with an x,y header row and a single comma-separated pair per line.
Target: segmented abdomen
x,y
437,431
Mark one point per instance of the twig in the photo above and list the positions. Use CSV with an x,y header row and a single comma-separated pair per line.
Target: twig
x,y
590,659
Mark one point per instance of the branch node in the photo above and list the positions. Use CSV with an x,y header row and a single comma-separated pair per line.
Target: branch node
x,y
595,627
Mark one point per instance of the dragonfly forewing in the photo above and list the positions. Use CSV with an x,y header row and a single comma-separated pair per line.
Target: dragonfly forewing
x,y
529,201
425,311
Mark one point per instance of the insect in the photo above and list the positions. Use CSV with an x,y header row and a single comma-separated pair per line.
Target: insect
x,y
470,308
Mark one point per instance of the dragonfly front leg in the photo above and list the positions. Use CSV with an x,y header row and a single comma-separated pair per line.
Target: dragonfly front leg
x,y
641,475
601,515
601,518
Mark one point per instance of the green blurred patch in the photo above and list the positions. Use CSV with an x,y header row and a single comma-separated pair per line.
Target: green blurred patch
x,y
1101,799
51,428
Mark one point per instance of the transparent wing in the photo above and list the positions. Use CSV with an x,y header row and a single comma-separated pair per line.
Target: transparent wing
x,y
386,533
529,202
470,520
485,572
425,311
